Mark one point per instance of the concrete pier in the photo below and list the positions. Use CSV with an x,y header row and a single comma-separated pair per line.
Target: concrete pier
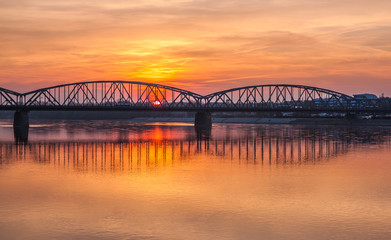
x,y
21,126
203,124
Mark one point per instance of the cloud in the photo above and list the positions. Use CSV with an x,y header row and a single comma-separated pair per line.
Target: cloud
x,y
202,43
377,37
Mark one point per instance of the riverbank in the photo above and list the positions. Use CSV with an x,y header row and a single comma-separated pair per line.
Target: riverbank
x,y
301,121
149,117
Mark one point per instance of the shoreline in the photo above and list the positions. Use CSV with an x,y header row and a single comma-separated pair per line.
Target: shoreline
x,y
290,121
293,121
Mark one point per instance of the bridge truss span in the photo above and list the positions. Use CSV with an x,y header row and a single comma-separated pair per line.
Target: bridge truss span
x,y
8,97
278,98
130,95
117,95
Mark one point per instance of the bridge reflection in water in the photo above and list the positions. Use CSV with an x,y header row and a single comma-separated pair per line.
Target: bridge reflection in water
x,y
276,146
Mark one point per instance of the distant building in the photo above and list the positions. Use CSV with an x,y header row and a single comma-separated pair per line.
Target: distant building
x,y
365,96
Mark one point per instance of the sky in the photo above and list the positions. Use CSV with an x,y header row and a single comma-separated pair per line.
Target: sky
x,y
202,46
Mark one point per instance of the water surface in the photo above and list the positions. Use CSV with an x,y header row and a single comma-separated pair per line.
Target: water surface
x,y
121,180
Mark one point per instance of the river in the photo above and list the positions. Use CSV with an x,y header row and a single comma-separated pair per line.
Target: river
x,y
122,180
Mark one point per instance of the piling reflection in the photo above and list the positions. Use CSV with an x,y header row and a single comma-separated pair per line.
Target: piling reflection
x,y
259,146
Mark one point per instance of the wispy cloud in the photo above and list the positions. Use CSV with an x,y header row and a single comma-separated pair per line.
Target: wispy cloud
x,y
197,44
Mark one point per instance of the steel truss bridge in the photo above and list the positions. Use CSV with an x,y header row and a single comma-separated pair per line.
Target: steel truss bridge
x,y
129,95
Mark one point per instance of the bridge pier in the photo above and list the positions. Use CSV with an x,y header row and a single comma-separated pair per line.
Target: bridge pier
x,y
351,116
21,126
203,124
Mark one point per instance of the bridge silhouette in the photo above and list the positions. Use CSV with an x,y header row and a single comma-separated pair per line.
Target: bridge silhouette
x,y
139,96
128,95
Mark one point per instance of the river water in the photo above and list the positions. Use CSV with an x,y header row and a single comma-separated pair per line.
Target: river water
x,y
121,180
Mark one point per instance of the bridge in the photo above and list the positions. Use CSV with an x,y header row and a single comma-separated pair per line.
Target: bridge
x,y
139,96
129,95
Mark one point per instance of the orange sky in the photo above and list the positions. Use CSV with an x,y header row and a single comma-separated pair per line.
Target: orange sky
x,y
202,46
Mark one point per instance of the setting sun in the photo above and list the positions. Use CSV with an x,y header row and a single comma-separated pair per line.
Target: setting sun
x,y
156,103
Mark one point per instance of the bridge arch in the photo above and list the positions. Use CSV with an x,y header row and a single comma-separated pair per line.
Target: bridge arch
x,y
8,97
111,94
278,97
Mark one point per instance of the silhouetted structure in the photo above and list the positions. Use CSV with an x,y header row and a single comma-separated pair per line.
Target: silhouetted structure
x,y
134,96
21,126
127,95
